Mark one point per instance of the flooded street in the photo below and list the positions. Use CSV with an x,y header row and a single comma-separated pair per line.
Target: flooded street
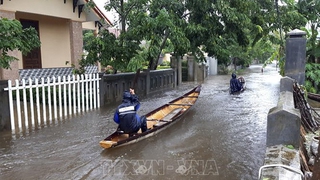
x,y
221,138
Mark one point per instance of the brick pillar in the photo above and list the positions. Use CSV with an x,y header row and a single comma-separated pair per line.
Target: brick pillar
x,y
76,42
13,73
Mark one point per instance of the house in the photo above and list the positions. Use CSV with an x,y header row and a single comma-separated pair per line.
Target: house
x,y
60,24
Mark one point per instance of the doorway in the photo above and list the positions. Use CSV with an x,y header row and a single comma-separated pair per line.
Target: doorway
x,y
32,60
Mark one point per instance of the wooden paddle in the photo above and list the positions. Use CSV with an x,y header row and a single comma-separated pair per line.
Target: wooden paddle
x,y
135,80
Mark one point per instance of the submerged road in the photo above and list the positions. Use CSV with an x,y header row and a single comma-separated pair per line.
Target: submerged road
x,y
221,138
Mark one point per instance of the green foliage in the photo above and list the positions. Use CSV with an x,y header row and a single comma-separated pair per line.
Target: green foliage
x,y
171,26
262,50
227,29
169,48
156,27
279,56
312,82
184,63
165,63
137,62
14,37
290,146
109,50
81,69
310,9
162,67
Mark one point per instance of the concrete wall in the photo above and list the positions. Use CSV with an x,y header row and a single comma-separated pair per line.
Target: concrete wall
x,y
213,65
4,107
296,55
283,126
148,82
283,131
284,121
196,71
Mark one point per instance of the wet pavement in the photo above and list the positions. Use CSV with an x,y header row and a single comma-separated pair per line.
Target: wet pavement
x,y
221,138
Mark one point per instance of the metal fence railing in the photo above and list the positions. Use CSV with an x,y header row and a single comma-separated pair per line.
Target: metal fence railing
x,y
40,101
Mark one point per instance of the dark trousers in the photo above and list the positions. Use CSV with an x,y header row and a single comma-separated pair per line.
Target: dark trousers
x,y
143,124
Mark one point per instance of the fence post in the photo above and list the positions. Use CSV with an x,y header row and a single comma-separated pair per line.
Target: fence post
x,y
177,67
192,68
4,107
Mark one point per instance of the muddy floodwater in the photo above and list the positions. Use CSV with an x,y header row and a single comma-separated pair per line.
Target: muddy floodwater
x,y
221,138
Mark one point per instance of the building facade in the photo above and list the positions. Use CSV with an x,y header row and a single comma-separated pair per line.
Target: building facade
x,y
59,24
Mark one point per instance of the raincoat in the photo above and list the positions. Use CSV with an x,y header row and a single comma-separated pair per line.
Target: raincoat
x,y
235,84
126,114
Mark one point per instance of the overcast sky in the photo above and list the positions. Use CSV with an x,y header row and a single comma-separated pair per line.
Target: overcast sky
x,y
100,4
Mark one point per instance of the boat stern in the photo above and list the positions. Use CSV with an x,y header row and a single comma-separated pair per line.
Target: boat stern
x,y
107,144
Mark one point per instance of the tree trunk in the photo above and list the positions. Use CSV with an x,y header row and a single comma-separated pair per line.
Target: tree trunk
x,y
153,63
123,20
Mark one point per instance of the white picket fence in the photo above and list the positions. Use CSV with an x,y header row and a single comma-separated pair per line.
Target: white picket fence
x,y
51,99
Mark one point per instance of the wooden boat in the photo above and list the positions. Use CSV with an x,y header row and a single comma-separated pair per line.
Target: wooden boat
x,y
157,120
314,100
315,97
243,82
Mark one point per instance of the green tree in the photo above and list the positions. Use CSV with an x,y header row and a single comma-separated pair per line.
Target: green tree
x,y
312,82
148,28
107,49
281,19
12,37
221,28
153,22
227,29
310,9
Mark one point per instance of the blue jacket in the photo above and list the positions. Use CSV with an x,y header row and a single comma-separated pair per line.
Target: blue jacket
x,y
126,114
235,84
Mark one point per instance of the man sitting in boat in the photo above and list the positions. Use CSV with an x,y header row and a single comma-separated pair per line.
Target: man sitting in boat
x,y
126,114
235,84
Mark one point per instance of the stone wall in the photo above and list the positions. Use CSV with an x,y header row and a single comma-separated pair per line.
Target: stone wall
x,y
284,121
148,82
283,137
